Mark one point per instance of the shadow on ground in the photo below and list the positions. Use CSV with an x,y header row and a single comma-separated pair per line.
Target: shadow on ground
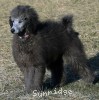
x,y
94,62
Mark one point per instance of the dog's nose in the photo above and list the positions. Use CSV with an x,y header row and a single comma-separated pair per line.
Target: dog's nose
x,y
12,30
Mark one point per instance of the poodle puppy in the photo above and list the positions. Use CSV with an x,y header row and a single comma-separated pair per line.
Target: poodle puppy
x,y
39,45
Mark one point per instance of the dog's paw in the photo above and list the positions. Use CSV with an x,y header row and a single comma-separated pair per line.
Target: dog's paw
x,y
89,80
37,88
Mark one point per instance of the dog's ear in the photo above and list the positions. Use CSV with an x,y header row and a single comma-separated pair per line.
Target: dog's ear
x,y
32,24
10,21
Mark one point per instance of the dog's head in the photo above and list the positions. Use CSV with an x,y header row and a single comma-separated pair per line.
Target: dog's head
x,y
23,20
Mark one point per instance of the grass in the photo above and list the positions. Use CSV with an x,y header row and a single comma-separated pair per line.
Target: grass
x,y
86,21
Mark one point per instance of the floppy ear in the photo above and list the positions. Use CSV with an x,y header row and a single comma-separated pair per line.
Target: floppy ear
x,y
32,24
10,21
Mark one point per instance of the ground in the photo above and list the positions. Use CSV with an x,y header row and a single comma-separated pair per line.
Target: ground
x,y
86,22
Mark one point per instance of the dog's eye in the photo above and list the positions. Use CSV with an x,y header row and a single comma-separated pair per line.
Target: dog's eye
x,y
25,18
20,21
12,21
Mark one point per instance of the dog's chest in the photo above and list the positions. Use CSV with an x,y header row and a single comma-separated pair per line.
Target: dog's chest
x,y
27,54
22,52
21,57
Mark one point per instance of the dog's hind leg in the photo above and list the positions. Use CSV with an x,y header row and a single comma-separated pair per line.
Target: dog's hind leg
x,y
76,56
56,68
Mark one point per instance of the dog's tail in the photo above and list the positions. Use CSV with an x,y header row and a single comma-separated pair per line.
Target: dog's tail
x,y
67,20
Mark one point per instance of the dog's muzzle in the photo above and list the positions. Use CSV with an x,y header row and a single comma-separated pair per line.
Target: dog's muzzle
x,y
13,30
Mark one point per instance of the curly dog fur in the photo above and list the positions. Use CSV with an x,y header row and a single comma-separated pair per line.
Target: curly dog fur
x,y
42,45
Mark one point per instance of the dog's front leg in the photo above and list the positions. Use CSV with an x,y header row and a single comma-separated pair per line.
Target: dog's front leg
x,y
29,78
38,78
